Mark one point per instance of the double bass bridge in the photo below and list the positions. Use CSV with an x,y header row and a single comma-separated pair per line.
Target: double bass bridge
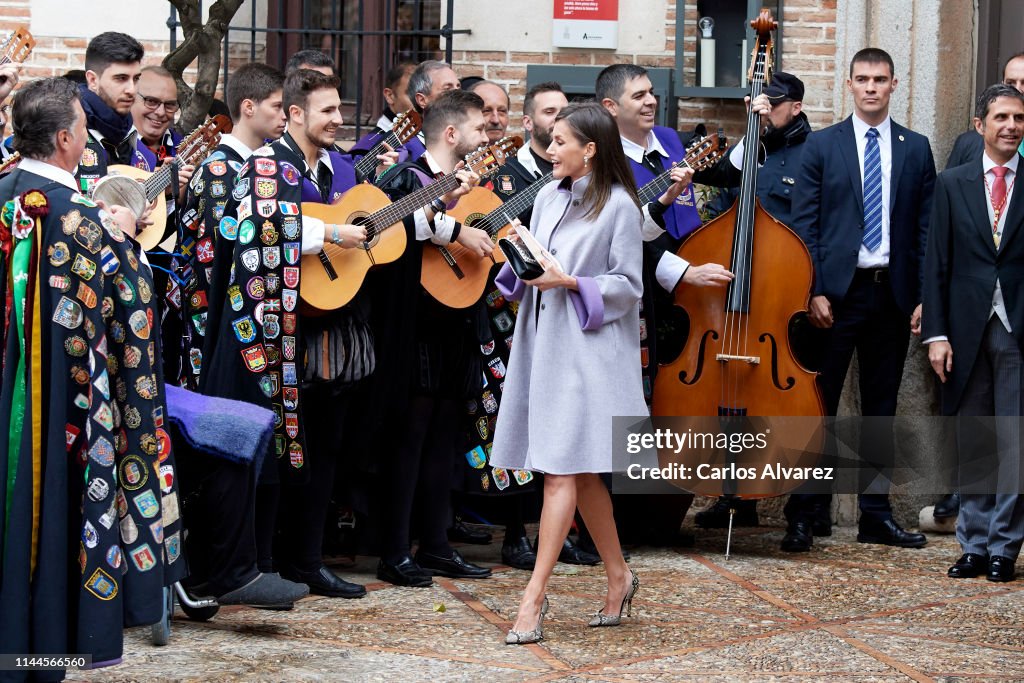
x,y
749,360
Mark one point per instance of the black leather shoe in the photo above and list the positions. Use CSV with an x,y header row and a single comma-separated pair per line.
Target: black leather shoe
x,y
518,553
572,553
798,539
968,566
461,533
454,567
717,516
325,582
888,532
404,573
1000,569
822,527
948,506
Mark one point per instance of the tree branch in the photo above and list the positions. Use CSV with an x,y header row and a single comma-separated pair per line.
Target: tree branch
x,y
202,42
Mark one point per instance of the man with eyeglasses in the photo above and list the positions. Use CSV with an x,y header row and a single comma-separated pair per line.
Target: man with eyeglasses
x,y
156,103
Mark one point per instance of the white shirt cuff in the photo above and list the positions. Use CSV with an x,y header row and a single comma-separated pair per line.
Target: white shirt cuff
x,y
312,235
670,270
650,230
736,155
441,232
939,338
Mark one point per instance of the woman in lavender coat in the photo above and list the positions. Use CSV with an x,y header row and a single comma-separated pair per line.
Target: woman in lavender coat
x,y
575,354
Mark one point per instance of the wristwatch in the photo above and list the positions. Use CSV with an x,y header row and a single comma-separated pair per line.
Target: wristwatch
x,y
438,205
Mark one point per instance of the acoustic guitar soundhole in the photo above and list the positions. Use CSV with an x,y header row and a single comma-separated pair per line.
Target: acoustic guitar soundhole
x,y
362,218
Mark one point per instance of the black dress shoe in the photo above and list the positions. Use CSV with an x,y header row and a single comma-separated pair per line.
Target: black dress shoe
x,y
325,582
717,516
799,538
572,553
968,566
454,567
1000,569
461,533
948,506
518,553
888,532
404,573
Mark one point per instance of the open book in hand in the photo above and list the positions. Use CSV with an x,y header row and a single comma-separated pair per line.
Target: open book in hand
x,y
525,255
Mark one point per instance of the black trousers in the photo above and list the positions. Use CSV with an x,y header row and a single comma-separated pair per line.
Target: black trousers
x,y
304,510
417,478
867,321
217,507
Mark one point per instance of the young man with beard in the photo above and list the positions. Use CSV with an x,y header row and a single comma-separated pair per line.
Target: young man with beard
x,y
260,342
427,359
113,65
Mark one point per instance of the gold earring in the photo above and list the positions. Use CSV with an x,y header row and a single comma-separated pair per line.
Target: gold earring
x,y
586,160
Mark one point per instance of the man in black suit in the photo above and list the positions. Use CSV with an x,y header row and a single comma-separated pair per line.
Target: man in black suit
x,y
973,268
968,147
864,199
970,144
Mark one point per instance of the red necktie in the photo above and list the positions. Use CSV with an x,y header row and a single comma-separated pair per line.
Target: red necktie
x,y
998,198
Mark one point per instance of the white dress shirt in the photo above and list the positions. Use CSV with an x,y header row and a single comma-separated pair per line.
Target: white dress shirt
x,y
998,306
444,225
880,257
670,268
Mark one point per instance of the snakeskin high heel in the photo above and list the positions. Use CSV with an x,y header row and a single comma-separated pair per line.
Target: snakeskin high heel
x,y
526,637
602,619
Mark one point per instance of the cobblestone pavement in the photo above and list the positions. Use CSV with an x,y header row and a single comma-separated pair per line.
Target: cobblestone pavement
x,y
844,612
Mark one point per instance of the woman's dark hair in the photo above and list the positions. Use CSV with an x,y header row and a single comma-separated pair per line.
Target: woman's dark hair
x,y
42,109
590,122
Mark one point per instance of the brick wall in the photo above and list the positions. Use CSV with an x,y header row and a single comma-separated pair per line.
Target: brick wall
x,y
809,38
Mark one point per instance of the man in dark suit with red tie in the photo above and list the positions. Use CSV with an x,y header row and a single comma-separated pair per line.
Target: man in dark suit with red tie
x,y
973,324
862,207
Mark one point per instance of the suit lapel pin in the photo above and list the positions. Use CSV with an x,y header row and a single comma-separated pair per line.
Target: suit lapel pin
x,y
901,138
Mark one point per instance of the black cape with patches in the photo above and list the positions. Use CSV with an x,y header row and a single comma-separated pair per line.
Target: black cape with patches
x,y
109,535
206,198
252,347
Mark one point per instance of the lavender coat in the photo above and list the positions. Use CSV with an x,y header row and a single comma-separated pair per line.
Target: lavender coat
x,y
575,359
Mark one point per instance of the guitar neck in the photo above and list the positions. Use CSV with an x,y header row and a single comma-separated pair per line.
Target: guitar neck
x,y
504,214
655,188
393,213
366,165
160,180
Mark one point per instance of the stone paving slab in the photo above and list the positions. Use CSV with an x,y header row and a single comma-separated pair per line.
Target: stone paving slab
x,y
844,612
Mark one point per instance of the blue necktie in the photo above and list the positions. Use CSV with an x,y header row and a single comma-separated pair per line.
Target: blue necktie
x,y
872,192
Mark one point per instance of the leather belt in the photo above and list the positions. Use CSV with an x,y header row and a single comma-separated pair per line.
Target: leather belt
x,y
875,275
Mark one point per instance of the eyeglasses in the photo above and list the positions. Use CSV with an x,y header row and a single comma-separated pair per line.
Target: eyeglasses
x,y
153,103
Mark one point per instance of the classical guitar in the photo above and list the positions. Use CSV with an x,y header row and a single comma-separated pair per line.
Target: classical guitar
x,y
135,188
332,277
403,128
457,278
14,50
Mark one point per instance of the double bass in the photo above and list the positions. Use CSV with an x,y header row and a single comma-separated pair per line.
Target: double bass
x,y
737,364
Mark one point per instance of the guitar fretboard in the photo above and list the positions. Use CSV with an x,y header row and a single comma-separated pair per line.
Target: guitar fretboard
x,y
503,215
655,188
366,166
393,213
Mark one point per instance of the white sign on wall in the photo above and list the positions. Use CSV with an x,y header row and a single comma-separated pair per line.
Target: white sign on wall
x,y
586,23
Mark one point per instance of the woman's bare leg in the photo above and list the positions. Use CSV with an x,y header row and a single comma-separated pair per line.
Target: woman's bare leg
x,y
595,506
